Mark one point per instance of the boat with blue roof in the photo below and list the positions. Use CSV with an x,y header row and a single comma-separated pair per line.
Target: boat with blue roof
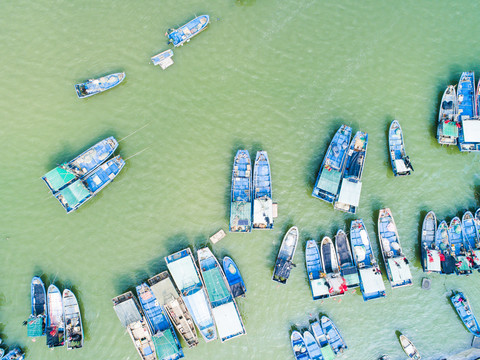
x,y
371,281
187,279
349,195
337,284
333,335
224,308
321,338
55,329
241,194
96,86
167,346
447,127
284,262
470,238
396,264
183,34
458,247
37,318
65,174
234,278
348,270
262,193
431,259
73,320
462,305
299,348
401,164
313,348
316,275
328,180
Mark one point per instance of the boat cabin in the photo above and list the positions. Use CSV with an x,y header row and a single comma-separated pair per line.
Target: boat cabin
x,y
469,135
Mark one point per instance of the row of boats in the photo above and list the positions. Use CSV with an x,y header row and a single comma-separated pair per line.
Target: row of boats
x,y
205,298
251,204
78,180
55,314
454,247
332,269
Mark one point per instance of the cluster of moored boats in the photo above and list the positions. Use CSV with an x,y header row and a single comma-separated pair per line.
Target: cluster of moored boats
x,y
55,315
205,298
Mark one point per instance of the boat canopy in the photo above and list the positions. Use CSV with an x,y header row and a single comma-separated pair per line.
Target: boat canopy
x,y
319,288
35,326
228,321
217,291
471,131
199,309
75,193
164,291
400,271
350,192
184,273
263,211
329,180
449,129
165,345
433,261
59,177
371,281
127,312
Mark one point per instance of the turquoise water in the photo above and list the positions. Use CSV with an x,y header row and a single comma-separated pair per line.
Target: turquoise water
x,y
278,76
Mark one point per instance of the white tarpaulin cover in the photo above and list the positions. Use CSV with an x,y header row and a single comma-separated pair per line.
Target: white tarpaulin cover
x,y
471,130
350,192
228,321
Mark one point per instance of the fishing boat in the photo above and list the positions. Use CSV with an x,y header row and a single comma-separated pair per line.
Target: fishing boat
x,y
36,320
336,282
55,322
409,348
313,348
462,305
234,278
241,197
470,238
431,259
441,242
321,338
396,264
328,180
299,348
73,321
164,59
458,247
168,296
400,161
65,174
316,274
348,270
187,279
77,193
262,193
96,86
447,128
167,346
349,196
284,262
466,95
14,354
333,335
128,311
224,308
183,34
371,281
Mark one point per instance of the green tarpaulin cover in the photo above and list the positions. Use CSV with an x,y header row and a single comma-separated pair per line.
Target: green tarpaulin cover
x,y
329,181
58,177
164,344
35,326
450,129
75,193
215,285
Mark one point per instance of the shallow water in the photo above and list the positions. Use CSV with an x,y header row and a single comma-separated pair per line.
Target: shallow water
x,y
278,76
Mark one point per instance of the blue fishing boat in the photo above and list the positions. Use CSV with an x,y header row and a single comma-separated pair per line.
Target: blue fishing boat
x,y
183,34
321,338
262,193
55,322
333,335
96,86
300,351
396,264
312,347
36,320
241,197
371,281
164,59
349,195
431,259
466,95
348,270
441,242
447,128
337,284
224,308
284,262
14,354
167,346
401,165
234,278
65,174
458,247
476,248
185,275
470,238
73,320
328,180
461,304
77,193
316,274
128,312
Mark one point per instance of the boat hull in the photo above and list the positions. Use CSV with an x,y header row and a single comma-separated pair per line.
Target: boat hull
x,y
284,262
55,320
73,321
241,197
178,37
400,162
96,86
234,278
262,193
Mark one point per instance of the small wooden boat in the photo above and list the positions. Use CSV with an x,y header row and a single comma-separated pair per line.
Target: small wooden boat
x,y
464,310
36,320
470,239
458,247
447,128
262,193
316,274
241,196
346,263
313,348
299,348
73,321
333,335
409,348
321,338
284,262
400,161
14,354
183,34
96,86
234,278
466,95
396,264
336,282
55,321
431,260
328,179
164,59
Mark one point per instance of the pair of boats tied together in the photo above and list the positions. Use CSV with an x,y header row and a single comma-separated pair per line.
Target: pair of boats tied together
x,y
74,182
451,248
251,204
205,298
56,315
339,181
